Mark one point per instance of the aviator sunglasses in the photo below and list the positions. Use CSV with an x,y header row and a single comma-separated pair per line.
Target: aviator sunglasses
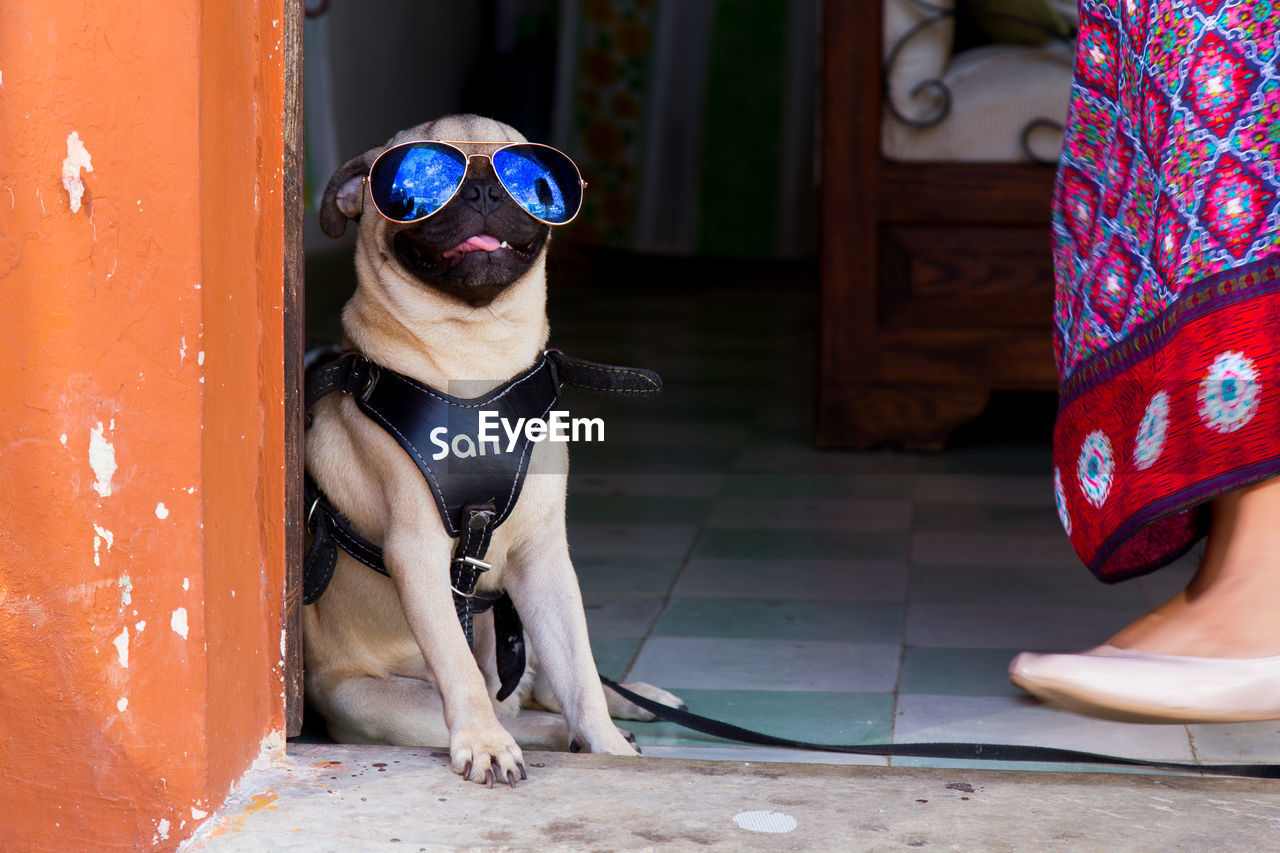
x,y
413,180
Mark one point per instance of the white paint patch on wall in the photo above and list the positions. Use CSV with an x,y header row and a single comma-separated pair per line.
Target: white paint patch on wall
x,y
102,459
77,159
122,647
198,814
162,512
126,591
100,535
122,705
162,829
178,622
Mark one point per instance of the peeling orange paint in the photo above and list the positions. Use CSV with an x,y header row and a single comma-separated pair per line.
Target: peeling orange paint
x,y
234,821
140,213
260,802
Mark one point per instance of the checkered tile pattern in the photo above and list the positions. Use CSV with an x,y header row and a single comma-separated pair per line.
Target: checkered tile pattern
x,y
824,596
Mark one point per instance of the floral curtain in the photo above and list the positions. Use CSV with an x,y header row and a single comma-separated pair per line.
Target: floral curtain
x,y
693,122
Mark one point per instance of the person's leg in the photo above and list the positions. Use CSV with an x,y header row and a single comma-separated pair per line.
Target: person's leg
x,y
1229,609
1210,654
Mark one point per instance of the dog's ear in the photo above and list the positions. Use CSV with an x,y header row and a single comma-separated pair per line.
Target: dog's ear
x,y
343,197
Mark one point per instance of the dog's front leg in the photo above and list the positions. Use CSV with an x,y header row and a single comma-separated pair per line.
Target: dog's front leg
x,y
479,747
544,589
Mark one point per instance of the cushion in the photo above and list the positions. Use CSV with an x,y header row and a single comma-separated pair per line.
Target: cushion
x,y
997,91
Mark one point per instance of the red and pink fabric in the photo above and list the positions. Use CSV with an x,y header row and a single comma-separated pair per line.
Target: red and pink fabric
x,y
1167,224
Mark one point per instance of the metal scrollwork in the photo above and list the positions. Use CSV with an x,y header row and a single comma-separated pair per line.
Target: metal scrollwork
x,y
1031,128
939,88
937,14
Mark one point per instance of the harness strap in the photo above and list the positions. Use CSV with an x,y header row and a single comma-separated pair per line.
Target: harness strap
x,y
332,530
509,635
468,561
381,395
605,378
468,565
328,376
337,374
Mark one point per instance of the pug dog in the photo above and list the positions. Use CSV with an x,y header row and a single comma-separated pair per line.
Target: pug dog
x,y
458,295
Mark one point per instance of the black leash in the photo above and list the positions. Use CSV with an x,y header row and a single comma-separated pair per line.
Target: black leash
x,y
963,751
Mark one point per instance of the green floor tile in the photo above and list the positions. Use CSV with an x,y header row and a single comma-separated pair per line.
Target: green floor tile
x,y
802,544
1019,520
817,485
682,406
776,619
958,672
638,509
831,718
614,654
998,458
1070,586
619,457
652,576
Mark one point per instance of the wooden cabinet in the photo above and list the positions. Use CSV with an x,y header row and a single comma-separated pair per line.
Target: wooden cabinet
x,y
936,279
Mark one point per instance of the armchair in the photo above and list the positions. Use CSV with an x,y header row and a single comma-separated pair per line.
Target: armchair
x,y
936,277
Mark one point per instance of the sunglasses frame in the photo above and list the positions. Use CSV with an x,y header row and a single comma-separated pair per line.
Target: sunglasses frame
x,y
454,144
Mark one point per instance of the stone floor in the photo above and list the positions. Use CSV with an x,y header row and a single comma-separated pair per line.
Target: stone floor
x,y
341,799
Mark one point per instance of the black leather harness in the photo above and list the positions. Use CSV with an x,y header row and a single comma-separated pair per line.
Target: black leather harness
x,y
475,481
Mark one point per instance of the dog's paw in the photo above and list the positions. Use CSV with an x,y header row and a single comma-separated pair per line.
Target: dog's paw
x,y
630,738
486,755
615,741
621,709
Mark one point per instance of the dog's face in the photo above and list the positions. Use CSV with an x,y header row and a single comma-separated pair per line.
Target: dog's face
x,y
474,247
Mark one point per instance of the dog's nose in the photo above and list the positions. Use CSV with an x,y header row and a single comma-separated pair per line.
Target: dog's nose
x,y
483,194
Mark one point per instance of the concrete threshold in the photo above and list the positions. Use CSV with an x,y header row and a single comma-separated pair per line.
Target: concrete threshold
x,y
376,798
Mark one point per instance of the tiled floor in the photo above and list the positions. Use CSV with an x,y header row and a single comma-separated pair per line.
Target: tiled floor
x,y
823,596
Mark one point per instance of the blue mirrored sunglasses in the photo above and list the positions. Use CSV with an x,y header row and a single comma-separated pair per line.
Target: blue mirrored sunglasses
x,y
413,180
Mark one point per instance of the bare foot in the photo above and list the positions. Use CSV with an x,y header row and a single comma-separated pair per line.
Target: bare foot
x,y
1228,610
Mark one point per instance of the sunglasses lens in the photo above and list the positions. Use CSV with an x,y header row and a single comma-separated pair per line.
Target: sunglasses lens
x,y
413,181
541,180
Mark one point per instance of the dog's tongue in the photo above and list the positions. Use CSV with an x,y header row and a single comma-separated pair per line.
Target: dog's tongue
x,y
478,243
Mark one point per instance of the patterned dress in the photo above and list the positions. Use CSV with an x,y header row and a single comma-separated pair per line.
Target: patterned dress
x,y
1167,257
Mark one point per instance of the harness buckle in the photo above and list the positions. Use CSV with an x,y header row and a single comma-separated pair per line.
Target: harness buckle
x,y
470,573
361,378
478,565
315,503
371,380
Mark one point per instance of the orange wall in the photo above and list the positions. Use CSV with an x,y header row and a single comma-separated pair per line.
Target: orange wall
x,y
141,415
